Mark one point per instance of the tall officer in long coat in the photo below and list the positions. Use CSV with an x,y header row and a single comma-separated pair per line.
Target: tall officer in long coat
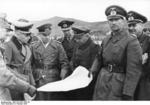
x,y
136,23
68,40
50,62
120,60
18,55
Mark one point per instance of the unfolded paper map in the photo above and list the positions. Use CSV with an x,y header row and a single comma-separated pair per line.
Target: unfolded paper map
x,y
78,79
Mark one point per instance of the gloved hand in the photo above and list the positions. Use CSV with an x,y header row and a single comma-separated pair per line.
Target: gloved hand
x,y
31,90
126,97
63,74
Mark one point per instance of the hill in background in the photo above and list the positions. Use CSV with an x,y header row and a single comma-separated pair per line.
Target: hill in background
x,y
101,27
97,28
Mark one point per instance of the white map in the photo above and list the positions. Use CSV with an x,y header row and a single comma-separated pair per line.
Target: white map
x,y
78,79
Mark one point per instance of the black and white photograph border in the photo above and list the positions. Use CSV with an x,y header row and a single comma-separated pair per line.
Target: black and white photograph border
x,y
90,13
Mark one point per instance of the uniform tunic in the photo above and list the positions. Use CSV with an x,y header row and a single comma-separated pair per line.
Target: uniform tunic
x,y
48,63
120,67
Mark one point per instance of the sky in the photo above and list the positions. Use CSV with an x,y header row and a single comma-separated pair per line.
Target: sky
x,y
86,10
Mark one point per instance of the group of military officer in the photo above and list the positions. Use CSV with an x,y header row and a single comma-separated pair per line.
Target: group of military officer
x,y
120,66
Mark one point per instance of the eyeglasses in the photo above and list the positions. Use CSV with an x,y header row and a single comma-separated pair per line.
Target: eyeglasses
x,y
146,29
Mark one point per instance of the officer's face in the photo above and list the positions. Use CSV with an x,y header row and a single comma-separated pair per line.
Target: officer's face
x,y
48,31
116,23
67,33
136,28
43,37
81,40
146,31
23,37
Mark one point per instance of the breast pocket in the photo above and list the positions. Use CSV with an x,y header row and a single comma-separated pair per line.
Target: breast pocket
x,y
51,56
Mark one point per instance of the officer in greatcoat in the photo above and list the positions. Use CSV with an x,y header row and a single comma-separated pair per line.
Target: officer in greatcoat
x,y
136,23
120,60
8,80
17,55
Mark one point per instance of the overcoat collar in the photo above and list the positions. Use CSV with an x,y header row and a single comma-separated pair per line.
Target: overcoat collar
x,y
118,36
16,42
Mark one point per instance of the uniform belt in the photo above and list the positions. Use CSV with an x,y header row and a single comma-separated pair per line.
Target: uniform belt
x,y
114,68
46,70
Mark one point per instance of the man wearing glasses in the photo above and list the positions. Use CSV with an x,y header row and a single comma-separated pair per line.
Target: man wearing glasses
x,y
50,62
18,55
136,23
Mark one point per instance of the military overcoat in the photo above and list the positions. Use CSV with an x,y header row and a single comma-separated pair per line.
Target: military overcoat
x,y
121,64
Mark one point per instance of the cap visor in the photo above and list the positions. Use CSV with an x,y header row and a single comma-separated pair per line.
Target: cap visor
x,y
134,21
21,24
115,17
